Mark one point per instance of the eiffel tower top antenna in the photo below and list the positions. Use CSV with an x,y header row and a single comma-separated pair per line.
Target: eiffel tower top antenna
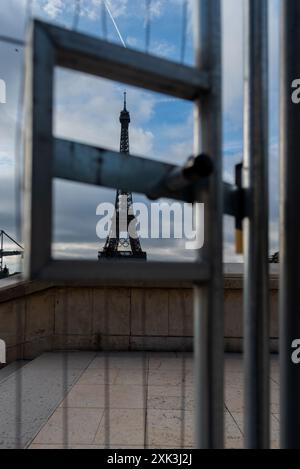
x,y
124,121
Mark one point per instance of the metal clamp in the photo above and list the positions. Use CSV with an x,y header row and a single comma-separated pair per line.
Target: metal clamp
x,y
179,179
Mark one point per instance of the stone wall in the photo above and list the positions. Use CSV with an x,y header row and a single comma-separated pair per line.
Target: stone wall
x,y
37,317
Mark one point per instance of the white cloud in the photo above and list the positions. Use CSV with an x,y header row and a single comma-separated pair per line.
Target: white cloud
x,y
117,7
53,8
91,9
157,8
162,49
88,110
132,41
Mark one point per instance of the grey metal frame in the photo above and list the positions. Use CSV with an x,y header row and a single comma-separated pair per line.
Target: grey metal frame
x,y
50,46
289,226
47,157
208,300
256,227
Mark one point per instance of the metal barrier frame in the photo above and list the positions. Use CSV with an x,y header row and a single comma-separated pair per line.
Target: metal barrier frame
x,y
256,227
47,157
289,305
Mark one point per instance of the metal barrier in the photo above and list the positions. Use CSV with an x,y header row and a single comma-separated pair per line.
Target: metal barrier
x,y
289,226
52,46
256,226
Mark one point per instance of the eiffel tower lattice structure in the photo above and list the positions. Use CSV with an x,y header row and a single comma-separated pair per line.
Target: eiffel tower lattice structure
x,y
117,245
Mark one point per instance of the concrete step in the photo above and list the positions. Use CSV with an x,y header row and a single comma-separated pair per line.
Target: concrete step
x,y
30,393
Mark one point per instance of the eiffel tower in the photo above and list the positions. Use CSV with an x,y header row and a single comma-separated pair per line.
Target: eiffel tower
x,y
117,245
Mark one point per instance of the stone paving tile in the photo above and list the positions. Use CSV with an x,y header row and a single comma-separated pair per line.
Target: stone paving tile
x,y
171,398
234,443
232,429
276,379
161,361
274,422
7,443
234,399
170,403
120,361
275,374
275,429
80,447
170,391
120,397
97,447
234,379
233,364
164,428
165,405
132,377
275,399
40,446
170,377
44,385
126,427
98,376
74,360
82,425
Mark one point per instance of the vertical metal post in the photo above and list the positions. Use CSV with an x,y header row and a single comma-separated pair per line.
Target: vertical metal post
x,y
255,182
1,250
289,225
38,147
208,301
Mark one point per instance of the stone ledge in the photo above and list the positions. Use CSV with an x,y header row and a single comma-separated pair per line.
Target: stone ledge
x,y
17,288
39,316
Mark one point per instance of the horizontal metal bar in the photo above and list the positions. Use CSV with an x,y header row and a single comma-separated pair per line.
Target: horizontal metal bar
x,y
97,166
11,253
125,271
12,40
97,57
91,165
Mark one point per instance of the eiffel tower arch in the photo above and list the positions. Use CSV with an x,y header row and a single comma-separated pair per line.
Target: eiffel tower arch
x,y
118,246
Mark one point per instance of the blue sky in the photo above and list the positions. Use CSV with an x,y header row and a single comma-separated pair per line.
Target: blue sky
x,y
87,109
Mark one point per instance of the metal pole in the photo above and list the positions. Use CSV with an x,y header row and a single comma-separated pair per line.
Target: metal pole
x,y
289,225
208,300
256,226
1,259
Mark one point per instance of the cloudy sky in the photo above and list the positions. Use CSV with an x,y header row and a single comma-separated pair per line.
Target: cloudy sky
x,y
87,110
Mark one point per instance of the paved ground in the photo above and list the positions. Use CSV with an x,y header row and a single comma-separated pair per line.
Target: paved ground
x,y
149,403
